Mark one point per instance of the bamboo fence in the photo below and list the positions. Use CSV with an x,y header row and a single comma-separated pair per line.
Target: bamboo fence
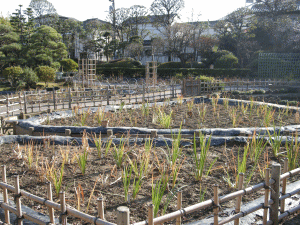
x,y
41,101
200,87
272,213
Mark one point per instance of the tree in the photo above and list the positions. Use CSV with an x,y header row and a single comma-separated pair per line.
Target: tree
x,y
12,74
44,11
165,11
9,46
23,25
177,41
94,41
45,47
276,30
138,21
29,77
235,34
135,48
45,73
70,29
69,65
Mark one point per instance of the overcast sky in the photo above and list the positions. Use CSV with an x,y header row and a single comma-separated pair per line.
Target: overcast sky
x,y
87,9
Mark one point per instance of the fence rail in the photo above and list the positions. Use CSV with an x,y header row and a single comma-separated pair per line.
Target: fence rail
x,y
39,101
273,199
200,87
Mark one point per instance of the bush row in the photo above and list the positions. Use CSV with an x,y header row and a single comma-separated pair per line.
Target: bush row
x,y
170,72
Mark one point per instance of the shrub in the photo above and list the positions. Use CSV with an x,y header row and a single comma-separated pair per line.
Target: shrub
x,y
55,65
46,74
69,65
180,65
227,61
12,74
30,78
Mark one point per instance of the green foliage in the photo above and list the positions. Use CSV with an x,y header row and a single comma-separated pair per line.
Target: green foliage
x,y
124,63
29,77
180,65
227,61
45,73
55,65
69,65
45,47
9,46
12,74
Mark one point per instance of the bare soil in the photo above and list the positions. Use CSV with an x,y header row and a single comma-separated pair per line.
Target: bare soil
x,y
187,116
104,178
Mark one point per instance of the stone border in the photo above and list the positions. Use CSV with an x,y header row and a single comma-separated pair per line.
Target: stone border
x,y
22,127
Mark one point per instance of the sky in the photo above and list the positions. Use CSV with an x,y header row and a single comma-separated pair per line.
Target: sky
x,y
87,9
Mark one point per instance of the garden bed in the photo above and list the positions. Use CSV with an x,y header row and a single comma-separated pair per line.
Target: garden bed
x,y
188,115
104,171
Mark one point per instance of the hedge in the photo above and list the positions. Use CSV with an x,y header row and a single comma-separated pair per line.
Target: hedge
x,y
170,72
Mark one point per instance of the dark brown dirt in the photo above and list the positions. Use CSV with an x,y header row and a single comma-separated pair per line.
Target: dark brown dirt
x,y
188,116
105,177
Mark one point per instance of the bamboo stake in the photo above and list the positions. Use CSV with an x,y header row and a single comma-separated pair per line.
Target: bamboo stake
x,y
63,208
267,178
150,215
179,206
239,198
5,195
51,210
100,208
18,200
216,205
283,191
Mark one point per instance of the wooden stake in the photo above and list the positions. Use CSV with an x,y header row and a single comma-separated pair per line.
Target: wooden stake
x,y
266,203
275,175
123,215
179,206
18,200
239,198
5,195
63,208
51,210
150,214
216,205
100,208
283,191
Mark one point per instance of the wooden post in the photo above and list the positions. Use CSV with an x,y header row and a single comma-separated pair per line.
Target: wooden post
x,y
283,191
7,105
70,99
51,210
54,100
123,215
107,100
15,127
153,134
31,130
5,195
109,132
239,198
216,205
266,203
179,206
143,100
63,208
150,214
68,132
100,208
18,200
275,175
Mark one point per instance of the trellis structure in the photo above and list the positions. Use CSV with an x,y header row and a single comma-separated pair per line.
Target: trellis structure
x,y
279,65
87,71
151,73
